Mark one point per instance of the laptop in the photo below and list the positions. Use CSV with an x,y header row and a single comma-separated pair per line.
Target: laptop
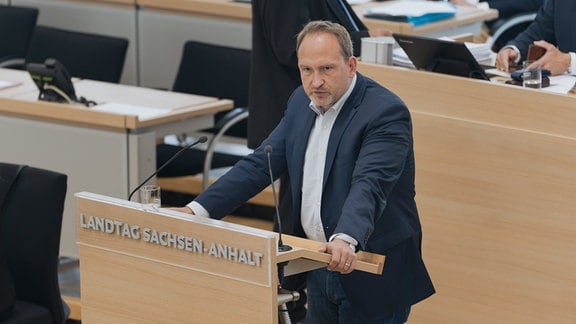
x,y
442,56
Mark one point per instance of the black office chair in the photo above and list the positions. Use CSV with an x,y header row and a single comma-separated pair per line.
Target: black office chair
x,y
31,207
215,71
504,30
87,56
16,28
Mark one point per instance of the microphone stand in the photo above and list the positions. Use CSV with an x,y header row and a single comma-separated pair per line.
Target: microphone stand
x,y
281,246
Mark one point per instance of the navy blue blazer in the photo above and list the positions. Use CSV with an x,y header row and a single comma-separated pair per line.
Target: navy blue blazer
x,y
368,190
553,23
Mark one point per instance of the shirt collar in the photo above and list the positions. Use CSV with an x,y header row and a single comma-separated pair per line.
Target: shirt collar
x,y
338,105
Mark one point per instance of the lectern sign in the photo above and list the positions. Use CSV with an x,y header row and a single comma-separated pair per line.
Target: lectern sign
x,y
178,241
215,247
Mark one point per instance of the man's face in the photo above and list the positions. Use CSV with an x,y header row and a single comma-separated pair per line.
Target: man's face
x,y
325,74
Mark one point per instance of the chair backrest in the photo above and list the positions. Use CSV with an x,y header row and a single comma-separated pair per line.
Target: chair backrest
x,y
88,56
504,30
16,27
216,71
31,214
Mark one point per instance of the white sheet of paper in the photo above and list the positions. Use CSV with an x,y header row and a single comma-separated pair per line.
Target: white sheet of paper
x,y
127,109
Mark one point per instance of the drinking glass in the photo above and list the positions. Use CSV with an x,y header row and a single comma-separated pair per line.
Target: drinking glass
x,y
150,197
532,76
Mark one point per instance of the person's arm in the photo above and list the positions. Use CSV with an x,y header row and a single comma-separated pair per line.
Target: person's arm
x,y
383,150
542,28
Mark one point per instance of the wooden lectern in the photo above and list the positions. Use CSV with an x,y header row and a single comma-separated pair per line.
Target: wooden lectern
x,y
148,266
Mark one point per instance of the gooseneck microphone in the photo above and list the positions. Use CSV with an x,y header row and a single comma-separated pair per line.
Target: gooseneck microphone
x,y
202,139
281,246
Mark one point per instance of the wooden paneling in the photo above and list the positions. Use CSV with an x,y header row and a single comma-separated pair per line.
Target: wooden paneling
x,y
495,186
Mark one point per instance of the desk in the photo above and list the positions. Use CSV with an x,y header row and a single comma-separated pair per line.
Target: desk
x,y
495,186
104,152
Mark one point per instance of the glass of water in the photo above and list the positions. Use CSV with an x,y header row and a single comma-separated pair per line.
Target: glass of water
x,y
532,76
150,197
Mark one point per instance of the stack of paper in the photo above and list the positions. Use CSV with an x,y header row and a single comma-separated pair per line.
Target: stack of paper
x,y
414,12
8,84
480,51
400,58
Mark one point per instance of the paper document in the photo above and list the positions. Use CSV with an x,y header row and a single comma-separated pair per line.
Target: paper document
x,y
8,84
126,109
561,84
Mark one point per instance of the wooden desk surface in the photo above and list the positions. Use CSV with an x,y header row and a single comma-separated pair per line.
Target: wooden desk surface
x,y
495,184
218,8
179,106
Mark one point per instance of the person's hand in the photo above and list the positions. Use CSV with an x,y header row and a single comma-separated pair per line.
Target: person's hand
x,y
184,209
343,257
506,56
554,60
376,32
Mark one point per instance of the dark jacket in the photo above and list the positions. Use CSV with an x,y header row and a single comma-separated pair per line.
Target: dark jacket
x,y
368,190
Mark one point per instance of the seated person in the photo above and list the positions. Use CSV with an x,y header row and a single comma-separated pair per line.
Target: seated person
x,y
545,31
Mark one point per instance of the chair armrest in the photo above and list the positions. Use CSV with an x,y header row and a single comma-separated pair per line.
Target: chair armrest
x,y
503,25
230,116
15,63
230,119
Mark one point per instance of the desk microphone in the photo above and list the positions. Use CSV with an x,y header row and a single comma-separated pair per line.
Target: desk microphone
x,y
202,139
281,246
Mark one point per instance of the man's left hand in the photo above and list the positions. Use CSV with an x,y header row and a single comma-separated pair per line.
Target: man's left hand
x,y
343,257
554,60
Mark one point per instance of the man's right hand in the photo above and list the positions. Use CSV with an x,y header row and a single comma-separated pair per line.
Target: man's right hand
x,y
506,56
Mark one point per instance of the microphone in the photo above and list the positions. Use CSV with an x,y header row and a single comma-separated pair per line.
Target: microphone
x,y
281,246
202,139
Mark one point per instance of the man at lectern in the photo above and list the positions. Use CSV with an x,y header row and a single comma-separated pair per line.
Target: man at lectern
x,y
346,143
